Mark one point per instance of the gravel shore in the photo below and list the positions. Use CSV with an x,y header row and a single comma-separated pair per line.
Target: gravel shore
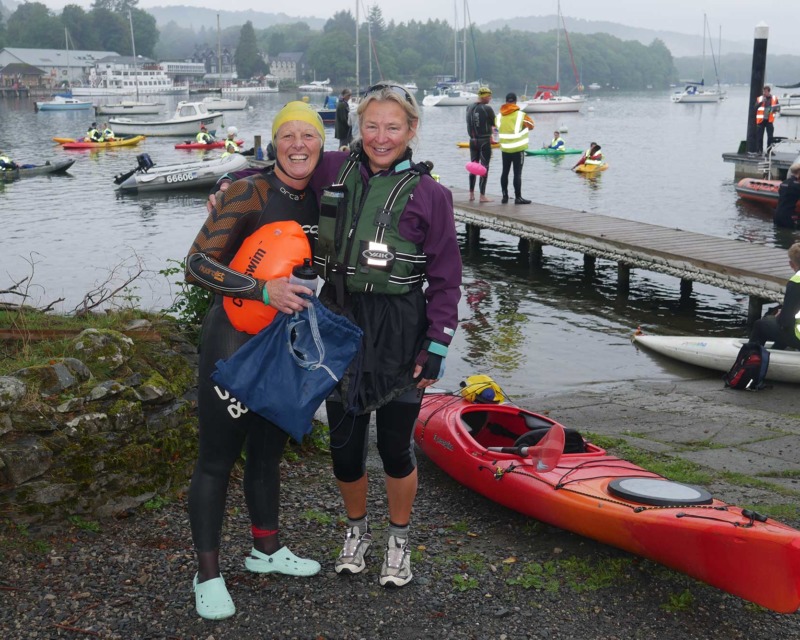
x,y
481,572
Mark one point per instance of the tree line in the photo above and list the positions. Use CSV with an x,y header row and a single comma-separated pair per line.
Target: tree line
x,y
413,51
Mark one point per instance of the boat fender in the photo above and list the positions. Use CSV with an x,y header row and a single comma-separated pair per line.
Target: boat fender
x,y
270,252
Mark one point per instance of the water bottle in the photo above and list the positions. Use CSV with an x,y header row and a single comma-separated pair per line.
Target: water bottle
x,y
305,275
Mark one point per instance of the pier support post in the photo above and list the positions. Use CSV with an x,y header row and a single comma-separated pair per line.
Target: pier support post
x,y
531,252
623,277
473,236
589,264
686,288
757,75
754,307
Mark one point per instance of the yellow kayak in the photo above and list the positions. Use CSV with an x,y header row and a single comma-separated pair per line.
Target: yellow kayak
x,y
591,168
71,143
465,145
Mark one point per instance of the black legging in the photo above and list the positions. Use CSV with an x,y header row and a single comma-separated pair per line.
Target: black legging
x,y
394,428
480,150
512,159
224,427
767,329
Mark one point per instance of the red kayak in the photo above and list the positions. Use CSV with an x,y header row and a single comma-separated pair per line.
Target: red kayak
x,y
603,497
761,191
217,144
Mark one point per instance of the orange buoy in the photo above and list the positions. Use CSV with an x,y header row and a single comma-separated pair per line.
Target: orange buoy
x,y
270,252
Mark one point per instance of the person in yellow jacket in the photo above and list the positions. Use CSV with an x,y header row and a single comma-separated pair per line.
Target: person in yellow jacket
x,y
766,108
203,136
513,126
230,142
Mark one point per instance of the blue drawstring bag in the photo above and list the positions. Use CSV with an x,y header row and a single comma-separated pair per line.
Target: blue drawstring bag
x,y
287,369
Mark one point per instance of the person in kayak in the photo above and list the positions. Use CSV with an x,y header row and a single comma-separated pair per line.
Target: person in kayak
x,y
230,142
244,212
93,135
480,127
108,133
386,228
788,196
557,143
203,136
6,163
592,155
783,328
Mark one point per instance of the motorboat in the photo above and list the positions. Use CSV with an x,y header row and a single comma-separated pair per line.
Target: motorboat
x,y
62,103
224,104
186,121
317,86
198,174
249,89
547,100
129,108
411,86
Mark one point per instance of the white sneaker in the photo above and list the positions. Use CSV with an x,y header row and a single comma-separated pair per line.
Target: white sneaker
x,y
356,547
396,569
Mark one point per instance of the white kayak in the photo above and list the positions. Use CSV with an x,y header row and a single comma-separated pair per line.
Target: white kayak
x,y
720,353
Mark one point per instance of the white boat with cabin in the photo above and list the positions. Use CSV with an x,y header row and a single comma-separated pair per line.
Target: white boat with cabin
x,y
186,122
62,103
547,100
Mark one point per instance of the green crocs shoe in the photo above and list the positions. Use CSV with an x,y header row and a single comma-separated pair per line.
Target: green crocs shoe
x,y
282,561
212,600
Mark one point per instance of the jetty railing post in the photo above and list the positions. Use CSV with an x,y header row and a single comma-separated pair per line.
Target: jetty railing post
x,y
757,76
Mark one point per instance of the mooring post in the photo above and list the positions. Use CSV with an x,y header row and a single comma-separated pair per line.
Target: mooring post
x,y
754,306
623,277
589,264
473,236
757,76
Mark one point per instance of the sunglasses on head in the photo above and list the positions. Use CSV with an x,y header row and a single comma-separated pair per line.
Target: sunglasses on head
x,y
394,88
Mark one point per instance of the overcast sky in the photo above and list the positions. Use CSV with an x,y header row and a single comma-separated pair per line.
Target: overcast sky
x,y
737,18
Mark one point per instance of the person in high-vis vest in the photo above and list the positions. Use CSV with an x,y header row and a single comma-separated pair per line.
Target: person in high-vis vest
x,y
230,142
783,328
513,126
6,163
93,135
592,155
108,133
203,136
557,143
766,108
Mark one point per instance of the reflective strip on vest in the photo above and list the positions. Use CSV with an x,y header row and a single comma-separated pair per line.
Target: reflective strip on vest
x,y
515,139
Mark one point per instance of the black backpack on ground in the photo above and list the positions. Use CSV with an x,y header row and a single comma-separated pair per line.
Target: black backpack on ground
x,y
749,369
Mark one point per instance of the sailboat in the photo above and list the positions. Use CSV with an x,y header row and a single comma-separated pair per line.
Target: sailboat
x,y
547,99
450,92
64,102
217,103
695,92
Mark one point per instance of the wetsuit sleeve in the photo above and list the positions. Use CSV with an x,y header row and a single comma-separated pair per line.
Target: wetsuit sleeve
x,y
443,267
790,307
223,232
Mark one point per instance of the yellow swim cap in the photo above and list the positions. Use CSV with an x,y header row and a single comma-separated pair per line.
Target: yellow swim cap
x,y
298,110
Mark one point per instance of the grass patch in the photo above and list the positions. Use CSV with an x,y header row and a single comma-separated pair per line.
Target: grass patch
x,y
542,577
156,503
581,574
464,582
459,527
474,562
84,525
682,601
312,515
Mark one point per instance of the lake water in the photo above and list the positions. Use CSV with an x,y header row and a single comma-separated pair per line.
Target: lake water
x,y
533,332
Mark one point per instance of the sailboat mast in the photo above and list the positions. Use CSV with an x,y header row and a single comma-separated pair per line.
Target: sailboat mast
x,y
703,63
455,39
133,48
219,55
66,42
358,66
558,41
465,43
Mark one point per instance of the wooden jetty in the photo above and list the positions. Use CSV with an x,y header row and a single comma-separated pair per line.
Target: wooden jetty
x,y
757,271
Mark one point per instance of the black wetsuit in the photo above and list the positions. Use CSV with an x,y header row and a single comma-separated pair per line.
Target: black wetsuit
x,y
224,424
480,120
788,195
780,329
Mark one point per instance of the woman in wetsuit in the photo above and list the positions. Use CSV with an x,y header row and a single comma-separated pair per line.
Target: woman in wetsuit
x,y
246,210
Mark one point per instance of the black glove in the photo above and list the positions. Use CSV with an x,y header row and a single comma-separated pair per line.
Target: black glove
x,y
431,359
